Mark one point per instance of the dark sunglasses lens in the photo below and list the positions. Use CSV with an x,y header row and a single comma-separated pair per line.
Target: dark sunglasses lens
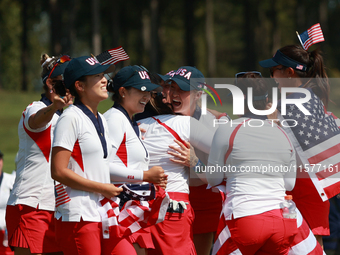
x,y
238,75
258,73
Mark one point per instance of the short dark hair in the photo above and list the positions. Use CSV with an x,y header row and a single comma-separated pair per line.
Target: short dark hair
x,y
1,155
73,90
260,88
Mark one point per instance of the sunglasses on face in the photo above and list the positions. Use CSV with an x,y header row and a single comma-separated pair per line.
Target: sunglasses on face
x,y
61,60
273,69
241,74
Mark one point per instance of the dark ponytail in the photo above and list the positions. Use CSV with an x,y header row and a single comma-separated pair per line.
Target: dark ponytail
x,y
316,70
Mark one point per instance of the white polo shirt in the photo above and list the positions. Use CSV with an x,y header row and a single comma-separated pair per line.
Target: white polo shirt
x,y
33,184
76,132
157,140
6,186
259,167
129,157
208,121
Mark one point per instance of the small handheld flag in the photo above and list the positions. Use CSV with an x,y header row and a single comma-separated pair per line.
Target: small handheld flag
x,y
112,56
311,36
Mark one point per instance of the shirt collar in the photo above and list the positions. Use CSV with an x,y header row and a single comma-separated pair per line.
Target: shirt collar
x,y
132,122
97,122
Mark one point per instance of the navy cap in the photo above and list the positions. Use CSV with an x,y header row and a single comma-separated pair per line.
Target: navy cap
x,y
57,69
184,74
133,76
281,59
82,66
163,77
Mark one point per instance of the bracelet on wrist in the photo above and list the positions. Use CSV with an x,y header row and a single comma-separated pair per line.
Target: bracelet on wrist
x,y
198,166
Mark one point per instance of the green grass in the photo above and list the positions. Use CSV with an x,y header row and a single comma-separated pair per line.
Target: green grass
x,y
12,105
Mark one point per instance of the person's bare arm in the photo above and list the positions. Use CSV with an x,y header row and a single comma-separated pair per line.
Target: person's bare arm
x,y
44,115
64,175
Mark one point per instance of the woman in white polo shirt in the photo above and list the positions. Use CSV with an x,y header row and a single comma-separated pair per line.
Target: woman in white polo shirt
x,y
80,163
186,85
6,185
249,149
129,161
30,207
162,127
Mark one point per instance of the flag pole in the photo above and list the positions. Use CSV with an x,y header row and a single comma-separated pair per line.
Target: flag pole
x,y
300,39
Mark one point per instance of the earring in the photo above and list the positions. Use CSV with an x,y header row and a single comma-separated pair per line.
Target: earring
x,y
123,96
51,91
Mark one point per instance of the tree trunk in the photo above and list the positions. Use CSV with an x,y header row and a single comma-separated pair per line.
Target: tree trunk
x,y
276,30
210,37
24,40
189,25
323,17
301,18
56,25
96,36
115,23
249,36
154,26
71,30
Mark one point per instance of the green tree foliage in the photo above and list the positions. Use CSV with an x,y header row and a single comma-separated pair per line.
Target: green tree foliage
x,y
10,46
244,32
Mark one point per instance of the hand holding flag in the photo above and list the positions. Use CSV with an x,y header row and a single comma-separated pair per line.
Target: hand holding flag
x,y
311,36
142,207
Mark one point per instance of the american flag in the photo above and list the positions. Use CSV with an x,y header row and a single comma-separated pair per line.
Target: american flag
x,y
311,36
142,192
304,242
135,214
223,244
112,56
316,138
61,196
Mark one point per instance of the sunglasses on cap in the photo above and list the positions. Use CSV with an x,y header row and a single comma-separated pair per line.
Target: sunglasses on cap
x,y
240,74
61,60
